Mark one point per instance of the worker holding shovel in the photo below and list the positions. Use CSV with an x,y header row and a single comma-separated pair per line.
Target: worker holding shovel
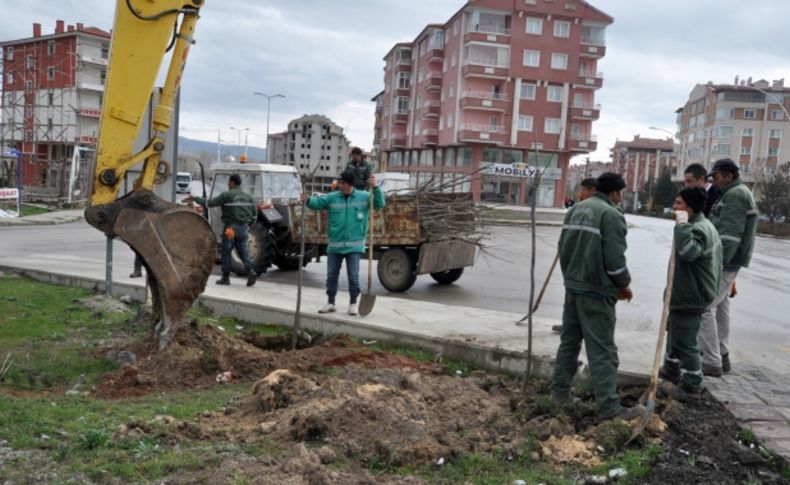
x,y
698,254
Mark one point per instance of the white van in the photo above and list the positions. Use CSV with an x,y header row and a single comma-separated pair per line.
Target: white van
x,y
183,182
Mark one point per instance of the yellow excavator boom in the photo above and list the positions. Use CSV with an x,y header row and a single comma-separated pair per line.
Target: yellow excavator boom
x,y
176,244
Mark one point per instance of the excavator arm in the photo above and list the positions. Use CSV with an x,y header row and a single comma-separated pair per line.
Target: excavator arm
x,y
176,244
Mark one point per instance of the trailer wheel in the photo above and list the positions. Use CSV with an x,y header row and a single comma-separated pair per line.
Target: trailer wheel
x,y
396,270
261,246
447,277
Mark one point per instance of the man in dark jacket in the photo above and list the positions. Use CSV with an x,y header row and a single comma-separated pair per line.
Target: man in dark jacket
x,y
360,169
695,175
592,257
238,212
694,287
735,218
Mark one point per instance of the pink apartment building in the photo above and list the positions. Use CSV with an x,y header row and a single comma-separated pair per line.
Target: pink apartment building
x,y
642,161
502,81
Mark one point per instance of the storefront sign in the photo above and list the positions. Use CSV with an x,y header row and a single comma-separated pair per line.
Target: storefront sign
x,y
7,193
521,170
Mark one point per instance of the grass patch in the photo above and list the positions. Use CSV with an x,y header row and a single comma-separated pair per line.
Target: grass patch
x,y
234,326
491,470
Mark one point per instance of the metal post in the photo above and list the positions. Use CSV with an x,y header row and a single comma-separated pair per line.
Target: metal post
x,y
246,135
19,184
108,269
268,112
219,145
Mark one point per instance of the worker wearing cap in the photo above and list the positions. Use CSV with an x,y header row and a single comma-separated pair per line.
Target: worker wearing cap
x,y
694,287
735,217
348,224
592,257
360,169
238,212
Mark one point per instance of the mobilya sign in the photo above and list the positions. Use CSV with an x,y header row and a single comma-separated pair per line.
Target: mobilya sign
x,y
9,193
521,170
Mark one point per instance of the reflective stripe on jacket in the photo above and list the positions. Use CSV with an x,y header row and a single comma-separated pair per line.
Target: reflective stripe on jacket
x,y
348,218
735,217
592,248
697,266
238,207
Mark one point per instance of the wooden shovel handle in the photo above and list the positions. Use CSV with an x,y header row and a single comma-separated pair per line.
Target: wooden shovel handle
x,y
370,243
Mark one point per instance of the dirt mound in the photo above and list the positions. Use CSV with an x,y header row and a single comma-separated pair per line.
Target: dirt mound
x,y
193,359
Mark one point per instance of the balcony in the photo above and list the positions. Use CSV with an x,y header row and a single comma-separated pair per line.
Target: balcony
x,y
90,112
590,79
582,142
398,141
436,54
488,33
400,118
484,67
472,133
434,82
430,136
585,111
432,108
484,100
590,47
401,91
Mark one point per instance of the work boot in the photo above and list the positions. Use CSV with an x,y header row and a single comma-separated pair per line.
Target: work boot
x,y
328,308
252,277
725,363
556,328
627,414
677,393
136,274
711,371
225,280
668,376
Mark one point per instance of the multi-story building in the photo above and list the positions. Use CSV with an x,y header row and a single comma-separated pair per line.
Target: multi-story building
x,y
744,121
314,145
500,82
51,100
641,162
580,171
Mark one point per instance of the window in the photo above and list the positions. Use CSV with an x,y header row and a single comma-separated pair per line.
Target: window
x,y
28,87
777,114
554,94
105,51
29,61
531,58
748,131
749,114
773,151
449,157
723,113
562,29
401,105
51,99
525,123
552,125
527,91
746,150
722,149
403,80
493,123
464,157
51,48
103,76
534,26
9,53
559,61
50,73
9,78
722,131
454,59
775,133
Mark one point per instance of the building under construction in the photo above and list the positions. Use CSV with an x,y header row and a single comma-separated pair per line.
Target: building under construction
x,y
51,100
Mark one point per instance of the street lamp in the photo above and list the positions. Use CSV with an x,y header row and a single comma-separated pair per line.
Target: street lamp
x,y
239,130
662,129
268,111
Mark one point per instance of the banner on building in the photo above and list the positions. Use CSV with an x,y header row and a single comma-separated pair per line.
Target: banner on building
x,y
521,170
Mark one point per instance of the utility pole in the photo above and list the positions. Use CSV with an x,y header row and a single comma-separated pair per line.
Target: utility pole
x,y
587,168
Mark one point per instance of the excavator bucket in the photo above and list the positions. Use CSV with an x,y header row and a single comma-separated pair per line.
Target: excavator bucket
x,y
177,247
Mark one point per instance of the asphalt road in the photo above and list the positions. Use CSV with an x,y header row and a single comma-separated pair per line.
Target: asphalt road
x,y
500,278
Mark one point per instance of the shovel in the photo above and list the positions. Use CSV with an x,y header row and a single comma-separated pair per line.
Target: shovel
x,y
367,300
650,393
542,290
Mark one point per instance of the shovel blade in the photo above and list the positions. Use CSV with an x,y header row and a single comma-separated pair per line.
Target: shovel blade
x,y
366,303
643,421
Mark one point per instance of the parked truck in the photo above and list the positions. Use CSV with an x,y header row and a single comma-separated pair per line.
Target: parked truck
x,y
403,243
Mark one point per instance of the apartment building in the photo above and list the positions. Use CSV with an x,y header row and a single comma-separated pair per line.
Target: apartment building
x,y
51,100
500,82
745,121
314,145
642,161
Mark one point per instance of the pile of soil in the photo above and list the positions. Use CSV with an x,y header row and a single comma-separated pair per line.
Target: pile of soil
x,y
338,400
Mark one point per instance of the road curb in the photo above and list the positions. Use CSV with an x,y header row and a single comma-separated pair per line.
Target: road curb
x,y
28,222
482,356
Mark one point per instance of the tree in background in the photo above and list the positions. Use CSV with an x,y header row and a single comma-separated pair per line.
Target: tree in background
x,y
775,202
666,190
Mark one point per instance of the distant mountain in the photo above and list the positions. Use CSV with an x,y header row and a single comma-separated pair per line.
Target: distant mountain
x,y
207,150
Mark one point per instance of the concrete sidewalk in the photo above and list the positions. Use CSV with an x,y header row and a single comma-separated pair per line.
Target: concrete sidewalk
x,y
54,217
489,339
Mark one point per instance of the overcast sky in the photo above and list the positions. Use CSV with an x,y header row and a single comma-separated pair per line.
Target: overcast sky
x,y
326,57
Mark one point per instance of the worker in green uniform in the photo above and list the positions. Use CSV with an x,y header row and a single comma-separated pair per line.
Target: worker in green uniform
x,y
592,257
238,213
698,253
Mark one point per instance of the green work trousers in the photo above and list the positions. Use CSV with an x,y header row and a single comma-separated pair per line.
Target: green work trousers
x,y
588,319
682,354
